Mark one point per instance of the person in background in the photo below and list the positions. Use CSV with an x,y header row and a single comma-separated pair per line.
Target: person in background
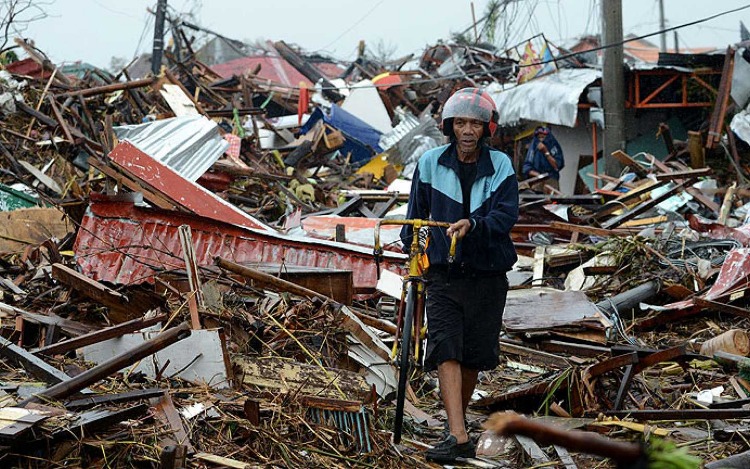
x,y
474,188
544,156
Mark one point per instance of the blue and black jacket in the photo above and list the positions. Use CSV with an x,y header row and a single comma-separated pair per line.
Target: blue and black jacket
x,y
436,195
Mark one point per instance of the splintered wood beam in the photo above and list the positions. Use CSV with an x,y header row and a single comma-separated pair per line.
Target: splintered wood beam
x,y
166,413
99,336
153,197
643,207
687,174
611,364
581,350
34,365
95,420
534,355
665,355
721,307
626,160
104,89
622,201
93,401
268,279
587,230
109,367
88,287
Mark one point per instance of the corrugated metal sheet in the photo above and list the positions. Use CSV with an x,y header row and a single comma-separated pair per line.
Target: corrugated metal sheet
x,y
186,194
410,139
187,144
124,244
551,98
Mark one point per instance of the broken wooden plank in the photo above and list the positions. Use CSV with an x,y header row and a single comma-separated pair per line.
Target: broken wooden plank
x,y
166,413
643,207
626,160
287,376
721,307
32,226
268,279
34,365
587,230
686,174
99,336
153,197
89,288
533,355
626,199
611,364
128,396
104,89
553,308
95,420
77,383
581,350
308,70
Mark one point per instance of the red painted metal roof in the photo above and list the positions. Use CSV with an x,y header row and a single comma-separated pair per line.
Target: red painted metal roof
x,y
27,67
123,244
185,193
273,68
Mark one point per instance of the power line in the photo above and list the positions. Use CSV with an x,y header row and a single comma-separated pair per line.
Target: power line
x,y
542,62
354,25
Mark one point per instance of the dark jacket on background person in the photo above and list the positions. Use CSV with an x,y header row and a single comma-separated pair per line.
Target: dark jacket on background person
x,y
436,194
536,160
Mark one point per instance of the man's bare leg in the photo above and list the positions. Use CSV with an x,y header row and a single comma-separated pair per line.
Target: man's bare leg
x,y
468,384
451,385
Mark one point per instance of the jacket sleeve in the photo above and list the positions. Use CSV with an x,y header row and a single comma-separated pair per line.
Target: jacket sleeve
x,y
419,207
557,153
504,212
527,163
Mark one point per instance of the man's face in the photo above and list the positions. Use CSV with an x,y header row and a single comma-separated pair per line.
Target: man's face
x,y
541,136
468,133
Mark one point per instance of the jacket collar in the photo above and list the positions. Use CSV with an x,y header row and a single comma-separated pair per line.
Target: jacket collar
x,y
449,158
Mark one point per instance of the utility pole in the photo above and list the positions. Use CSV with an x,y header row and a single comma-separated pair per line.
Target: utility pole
x,y
613,84
161,13
662,26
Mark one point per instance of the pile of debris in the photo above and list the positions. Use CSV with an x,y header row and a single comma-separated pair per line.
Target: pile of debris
x,y
187,277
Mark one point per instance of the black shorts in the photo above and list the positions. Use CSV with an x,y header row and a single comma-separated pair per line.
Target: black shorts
x,y
464,319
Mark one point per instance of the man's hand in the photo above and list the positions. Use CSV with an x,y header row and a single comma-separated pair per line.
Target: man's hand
x,y
461,228
541,147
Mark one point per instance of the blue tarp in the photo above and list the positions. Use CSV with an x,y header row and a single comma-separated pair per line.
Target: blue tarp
x,y
361,139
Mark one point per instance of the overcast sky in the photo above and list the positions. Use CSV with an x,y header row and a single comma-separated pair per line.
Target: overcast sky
x,y
96,30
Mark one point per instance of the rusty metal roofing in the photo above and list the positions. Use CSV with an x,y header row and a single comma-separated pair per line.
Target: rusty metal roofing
x,y
187,144
187,194
124,244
